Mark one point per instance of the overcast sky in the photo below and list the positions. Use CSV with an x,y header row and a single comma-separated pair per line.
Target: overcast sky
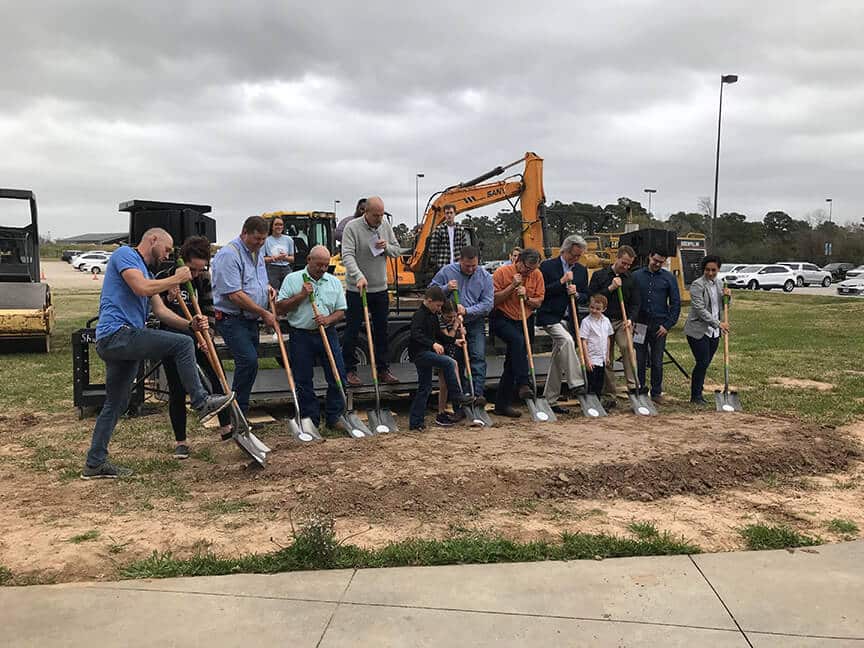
x,y
258,106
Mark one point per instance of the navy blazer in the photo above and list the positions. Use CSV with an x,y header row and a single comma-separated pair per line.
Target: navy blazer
x,y
556,302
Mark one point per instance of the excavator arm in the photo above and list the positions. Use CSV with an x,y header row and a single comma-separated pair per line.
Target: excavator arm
x,y
526,188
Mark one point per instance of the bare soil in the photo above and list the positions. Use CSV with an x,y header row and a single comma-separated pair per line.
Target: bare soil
x,y
802,383
702,476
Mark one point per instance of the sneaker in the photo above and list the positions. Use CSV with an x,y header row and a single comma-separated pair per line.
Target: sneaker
x,y
508,411
181,451
388,378
443,420
698,401
213,405
106,470
353,379
558,409
525,392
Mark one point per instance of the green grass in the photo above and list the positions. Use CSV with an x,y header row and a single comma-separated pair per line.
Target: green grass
x,y
87,536
5,576
759,536
316,547
842,527
643,530
225,507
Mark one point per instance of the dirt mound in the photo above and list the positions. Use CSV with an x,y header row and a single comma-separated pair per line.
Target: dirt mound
x,y
468,469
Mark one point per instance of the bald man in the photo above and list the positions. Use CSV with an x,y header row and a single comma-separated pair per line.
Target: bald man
x,y
307,346
366,244
122,341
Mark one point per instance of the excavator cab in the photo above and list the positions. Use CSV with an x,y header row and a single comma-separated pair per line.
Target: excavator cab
x,y
307,229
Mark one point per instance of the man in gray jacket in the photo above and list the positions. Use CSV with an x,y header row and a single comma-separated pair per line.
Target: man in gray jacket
x,y
366,244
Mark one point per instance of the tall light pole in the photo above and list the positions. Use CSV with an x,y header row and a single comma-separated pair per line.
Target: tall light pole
x,y
650,192
417,198
830,202
335,202
724,79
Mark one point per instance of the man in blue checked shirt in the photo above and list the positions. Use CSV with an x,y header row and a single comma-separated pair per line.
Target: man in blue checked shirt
x,y
476,297
241,297
661,307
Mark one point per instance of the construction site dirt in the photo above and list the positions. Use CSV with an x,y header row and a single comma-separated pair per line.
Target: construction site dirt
x,y
701,476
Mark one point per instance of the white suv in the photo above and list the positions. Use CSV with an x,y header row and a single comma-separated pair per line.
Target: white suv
x,y
808,273
765,277
90,257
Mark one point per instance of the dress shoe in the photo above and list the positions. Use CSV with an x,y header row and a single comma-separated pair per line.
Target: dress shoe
x,y
509,412
525,392
353,379
388,378
558,409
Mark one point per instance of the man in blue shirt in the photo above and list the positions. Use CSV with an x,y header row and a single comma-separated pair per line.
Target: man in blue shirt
x,y
123,342
307,347
476,297
661,307
241,296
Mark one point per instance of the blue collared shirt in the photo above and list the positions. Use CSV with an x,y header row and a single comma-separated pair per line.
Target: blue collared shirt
x,y
476,292
661,300
329,297
233,269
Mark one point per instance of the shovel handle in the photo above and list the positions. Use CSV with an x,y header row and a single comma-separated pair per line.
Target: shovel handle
x,y
369,339
525,333
283,352
629,333
329,352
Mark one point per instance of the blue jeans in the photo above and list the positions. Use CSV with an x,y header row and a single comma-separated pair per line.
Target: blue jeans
x,y
379,309
306,348
241,336
475,335
515,360
425,362
122,352
651,352
703,352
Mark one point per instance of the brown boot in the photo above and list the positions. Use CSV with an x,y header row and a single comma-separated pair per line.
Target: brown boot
x,y
388,378
353,379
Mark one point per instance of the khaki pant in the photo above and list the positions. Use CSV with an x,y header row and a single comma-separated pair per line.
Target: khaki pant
x,y
564,364
626,358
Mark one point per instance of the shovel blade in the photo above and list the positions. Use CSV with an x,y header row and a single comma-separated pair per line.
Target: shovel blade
x,y
727,401
381,421
642,404
591,406
541,410
304,431
477,416
354,427
252,446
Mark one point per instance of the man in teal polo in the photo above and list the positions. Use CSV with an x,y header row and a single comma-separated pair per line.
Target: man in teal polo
x,y
306,344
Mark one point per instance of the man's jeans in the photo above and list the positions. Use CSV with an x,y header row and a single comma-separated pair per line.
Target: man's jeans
x,y
241,337
515,360
564,363
306,348
703,352
652,352
379,309
475,335
122,352
425,362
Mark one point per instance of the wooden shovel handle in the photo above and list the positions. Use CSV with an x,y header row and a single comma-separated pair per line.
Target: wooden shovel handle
x,y
369,339
284,353
525,333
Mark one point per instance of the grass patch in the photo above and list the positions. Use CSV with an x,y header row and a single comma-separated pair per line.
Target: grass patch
x,y
842,527
759,536
643,530
225,507
5,575
87,536
316,547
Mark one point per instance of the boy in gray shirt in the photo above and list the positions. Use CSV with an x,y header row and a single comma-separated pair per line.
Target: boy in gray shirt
x,y
366,244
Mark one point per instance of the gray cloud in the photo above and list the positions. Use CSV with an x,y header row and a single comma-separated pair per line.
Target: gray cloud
x,y
290,106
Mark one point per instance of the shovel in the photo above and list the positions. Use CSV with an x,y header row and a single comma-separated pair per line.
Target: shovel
x,y
381,420
242,433
590,404
476,414
727,401
348,420
639,401
540,408
303,429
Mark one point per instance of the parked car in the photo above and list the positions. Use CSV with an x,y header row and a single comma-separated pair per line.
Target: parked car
x,y
68,255
853,286
808,274
94,267
838,270
492,266
91,257
729,268
854,273
763,276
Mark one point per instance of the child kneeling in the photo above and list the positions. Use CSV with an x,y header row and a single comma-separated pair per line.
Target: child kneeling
x,y
426,351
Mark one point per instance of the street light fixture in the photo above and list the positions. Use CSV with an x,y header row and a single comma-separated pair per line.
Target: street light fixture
x,y
724,79
650,192
335,202
417,198
830,202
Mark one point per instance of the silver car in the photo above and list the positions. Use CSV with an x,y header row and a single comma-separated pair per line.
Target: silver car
x,y
808,274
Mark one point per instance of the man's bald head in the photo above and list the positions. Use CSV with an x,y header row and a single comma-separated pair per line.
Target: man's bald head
x,y
319,252
374,211
155,246
318,261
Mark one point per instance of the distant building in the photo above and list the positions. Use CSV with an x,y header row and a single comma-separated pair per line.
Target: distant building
x,y
96,238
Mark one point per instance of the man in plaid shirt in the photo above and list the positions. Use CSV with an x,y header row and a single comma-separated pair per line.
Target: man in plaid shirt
x,y
447,241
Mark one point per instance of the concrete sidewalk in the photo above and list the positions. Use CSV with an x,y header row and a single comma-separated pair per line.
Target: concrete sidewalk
x,y
808,598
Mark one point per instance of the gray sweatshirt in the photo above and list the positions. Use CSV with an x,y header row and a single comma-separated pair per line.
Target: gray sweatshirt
x,y
358,258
